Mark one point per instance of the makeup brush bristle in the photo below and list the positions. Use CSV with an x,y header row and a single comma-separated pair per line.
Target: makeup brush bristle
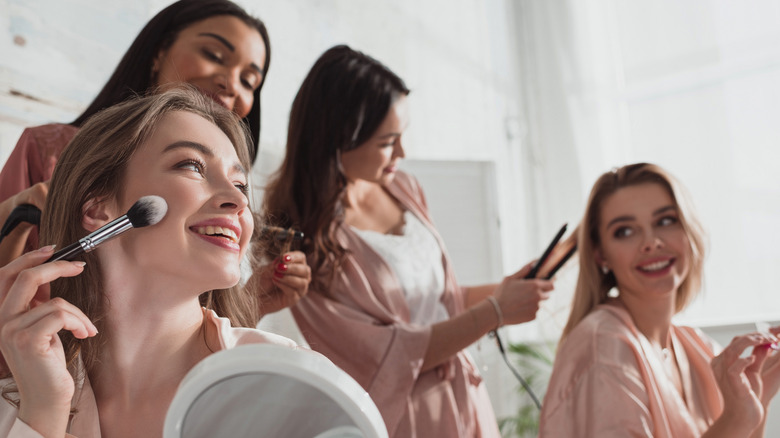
x,y
147,211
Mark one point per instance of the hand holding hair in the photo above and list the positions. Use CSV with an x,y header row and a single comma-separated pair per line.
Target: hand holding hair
x,y
519,297
283,282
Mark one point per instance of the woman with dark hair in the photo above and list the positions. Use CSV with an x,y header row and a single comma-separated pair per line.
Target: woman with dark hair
x,y
384,304
213,45
132,75
623,368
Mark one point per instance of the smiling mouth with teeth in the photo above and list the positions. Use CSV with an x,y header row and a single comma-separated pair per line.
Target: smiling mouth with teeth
x,y
657,266
218,231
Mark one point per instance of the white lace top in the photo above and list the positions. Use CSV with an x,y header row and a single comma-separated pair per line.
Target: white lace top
x,y
416,259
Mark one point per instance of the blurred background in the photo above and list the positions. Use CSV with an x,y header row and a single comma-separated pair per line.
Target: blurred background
x,y
516,108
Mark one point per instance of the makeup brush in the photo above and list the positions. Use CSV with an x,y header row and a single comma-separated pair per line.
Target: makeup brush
x,y
146,211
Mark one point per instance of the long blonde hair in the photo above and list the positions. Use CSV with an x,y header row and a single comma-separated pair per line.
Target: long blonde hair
x,y
92,166
592,284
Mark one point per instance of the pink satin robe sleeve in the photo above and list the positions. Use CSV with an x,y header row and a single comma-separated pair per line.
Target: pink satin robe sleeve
x,y
361,323
32,161
608,381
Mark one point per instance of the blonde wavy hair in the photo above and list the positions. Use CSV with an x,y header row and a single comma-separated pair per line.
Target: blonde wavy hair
x,y
592,284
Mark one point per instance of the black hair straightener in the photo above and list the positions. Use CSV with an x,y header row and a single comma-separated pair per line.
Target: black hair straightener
x,y
21,213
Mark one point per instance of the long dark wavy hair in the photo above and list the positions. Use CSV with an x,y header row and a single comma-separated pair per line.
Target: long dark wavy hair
x,y
341,103
132,75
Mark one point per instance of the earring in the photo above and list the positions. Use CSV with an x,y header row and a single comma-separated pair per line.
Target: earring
x,y
604,269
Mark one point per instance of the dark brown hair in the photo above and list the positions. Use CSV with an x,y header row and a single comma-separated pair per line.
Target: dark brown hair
x,y
132,75
341,103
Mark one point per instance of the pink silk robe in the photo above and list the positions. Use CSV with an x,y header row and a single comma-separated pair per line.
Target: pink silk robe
x,y
32,161
609,381
86,423
361,323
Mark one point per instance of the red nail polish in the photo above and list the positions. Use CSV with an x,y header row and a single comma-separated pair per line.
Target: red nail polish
x,y
278,275
287,258
281,267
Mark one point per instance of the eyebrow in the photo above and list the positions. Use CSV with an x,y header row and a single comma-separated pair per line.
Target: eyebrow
x,y
230,47
390,135
186,144
630,218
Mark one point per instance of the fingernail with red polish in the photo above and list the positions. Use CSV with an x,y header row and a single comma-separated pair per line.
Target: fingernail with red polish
x,y
281,267
287,258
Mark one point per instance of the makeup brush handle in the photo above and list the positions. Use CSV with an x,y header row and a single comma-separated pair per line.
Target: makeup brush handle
x,y
91,241
70,252
105,233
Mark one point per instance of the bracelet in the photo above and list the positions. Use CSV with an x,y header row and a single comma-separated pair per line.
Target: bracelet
x,y
499,315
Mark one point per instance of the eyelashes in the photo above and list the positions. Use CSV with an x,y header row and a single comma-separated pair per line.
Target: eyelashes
x,y
212,56
248,82
623,232
193,164
199,167
243,188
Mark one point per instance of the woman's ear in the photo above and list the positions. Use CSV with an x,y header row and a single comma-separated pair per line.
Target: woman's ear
x,y
156,65
97,212
597,256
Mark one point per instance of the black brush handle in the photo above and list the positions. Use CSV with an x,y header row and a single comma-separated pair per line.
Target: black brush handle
x,y
92,240
70,252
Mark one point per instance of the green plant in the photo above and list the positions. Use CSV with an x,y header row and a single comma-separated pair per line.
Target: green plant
x,y
535,366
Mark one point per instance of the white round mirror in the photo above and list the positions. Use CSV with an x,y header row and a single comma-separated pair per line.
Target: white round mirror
x,y
265,390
